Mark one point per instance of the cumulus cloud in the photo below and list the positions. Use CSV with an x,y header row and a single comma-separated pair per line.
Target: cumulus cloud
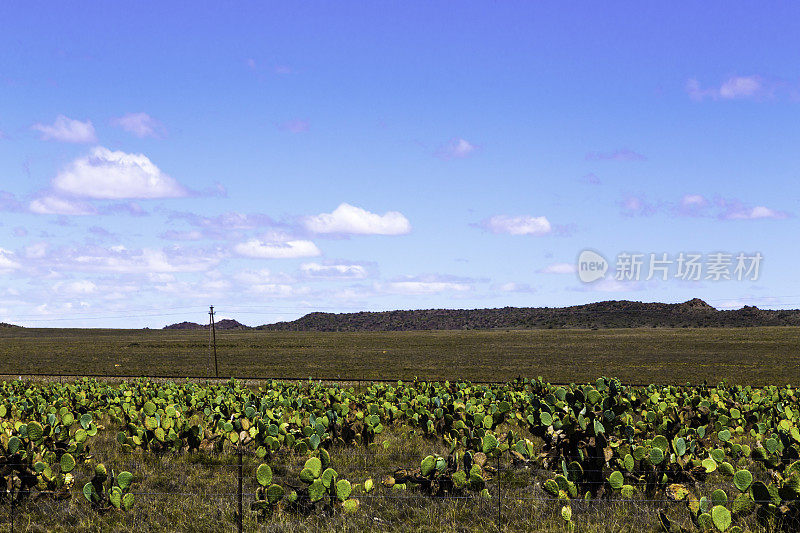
x,y
280,290
348,219
753,213
623,154
36,251
8,261
75,288
140,124
558,268
697,205
515,287
54,205
333,271
733,88
456,148
65,129
119,259
277,250
114,175
226,221
174,235
517,225
278,284
230,226
261,277
424,287
426,284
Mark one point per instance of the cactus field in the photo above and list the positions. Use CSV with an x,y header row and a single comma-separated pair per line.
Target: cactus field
x,y
423,455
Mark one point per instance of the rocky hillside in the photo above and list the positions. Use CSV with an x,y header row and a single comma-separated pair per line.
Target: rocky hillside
x,y
610,314
222,325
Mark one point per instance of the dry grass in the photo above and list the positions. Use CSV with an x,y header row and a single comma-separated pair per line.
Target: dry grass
x,y
757,356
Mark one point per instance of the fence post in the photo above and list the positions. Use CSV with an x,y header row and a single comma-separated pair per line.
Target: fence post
x,y
239,492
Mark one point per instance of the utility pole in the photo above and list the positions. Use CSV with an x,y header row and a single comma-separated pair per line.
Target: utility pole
x,y
213,339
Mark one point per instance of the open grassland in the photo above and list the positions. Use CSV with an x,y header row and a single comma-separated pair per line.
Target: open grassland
x,y
757,356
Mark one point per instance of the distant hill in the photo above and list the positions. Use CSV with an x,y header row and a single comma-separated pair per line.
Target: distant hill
x,y
5,325
184,325
610,314
225,324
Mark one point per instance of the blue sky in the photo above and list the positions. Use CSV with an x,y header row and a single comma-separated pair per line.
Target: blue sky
x,y
275,159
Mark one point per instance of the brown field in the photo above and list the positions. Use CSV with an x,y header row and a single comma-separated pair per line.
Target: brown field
x,y
758,356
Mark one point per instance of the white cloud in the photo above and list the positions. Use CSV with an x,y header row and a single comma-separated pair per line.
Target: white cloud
x,y
425,287
740,87
515,287
36,251
691,200
280,290
7,261
559,268
65,129
277,250
140,125
426,284
261,277
316,270
145,261
116,175
75,288
160,277
354,220
174,235
456,148
53,205
735,87
520,225
754,213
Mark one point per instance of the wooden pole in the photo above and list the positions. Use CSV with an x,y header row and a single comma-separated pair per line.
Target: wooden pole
x,y
214,339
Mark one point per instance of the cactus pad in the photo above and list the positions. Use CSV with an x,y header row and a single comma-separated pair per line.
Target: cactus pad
x,y
743,479
264,475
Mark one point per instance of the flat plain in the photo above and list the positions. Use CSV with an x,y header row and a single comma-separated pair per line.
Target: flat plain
x,y
757,356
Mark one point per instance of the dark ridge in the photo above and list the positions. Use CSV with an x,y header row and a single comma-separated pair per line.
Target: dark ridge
x,y
225,324
184,325
609,314
6,325
229,324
